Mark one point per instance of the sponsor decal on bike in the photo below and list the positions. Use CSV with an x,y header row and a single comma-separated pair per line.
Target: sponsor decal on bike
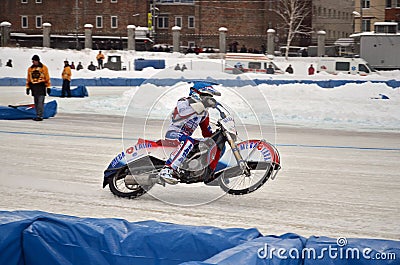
x,y
261,146
117,159
138,147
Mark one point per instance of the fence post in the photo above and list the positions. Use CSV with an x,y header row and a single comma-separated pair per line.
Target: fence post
x,y
270,41
131,38
88,36
46,35
5,33
222,39
321,43
176,35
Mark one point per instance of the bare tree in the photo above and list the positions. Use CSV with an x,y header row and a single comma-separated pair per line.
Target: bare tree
x,y
293,13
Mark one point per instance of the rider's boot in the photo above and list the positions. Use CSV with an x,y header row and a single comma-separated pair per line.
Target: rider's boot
x,y
168,175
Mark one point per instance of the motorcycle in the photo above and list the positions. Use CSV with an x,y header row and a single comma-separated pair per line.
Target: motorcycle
x,y
238,168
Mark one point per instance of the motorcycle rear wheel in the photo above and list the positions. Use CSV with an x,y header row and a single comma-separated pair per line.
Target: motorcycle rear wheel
x,y
121,189
240,184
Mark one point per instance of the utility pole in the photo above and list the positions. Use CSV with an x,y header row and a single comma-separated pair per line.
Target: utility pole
x,y
361,16
151,19
77,24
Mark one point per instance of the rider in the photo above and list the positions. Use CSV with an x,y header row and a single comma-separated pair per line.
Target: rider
x,y
189,113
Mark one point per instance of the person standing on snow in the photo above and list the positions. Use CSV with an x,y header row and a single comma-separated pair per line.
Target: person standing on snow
x,y
100,57
66,77
189,113
311,70
37,82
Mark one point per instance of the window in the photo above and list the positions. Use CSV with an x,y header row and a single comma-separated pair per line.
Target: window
x,y
363,68
38,1
99,1
191,22
365,3
114,22
24,22
99,21
254,65
178,21
398,3
162,22
366,25
388,3
114,1
38,21
24,1
342,66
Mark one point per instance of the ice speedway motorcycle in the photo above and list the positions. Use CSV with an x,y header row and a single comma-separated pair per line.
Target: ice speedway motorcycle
x,y
238,168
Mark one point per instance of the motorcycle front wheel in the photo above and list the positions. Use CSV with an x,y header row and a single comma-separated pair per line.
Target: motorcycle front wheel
x,y
234,182
119,186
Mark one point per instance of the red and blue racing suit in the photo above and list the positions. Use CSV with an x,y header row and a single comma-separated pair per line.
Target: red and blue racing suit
x,y
184,121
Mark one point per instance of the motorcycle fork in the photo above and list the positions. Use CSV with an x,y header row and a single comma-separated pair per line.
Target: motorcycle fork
x,y
239,159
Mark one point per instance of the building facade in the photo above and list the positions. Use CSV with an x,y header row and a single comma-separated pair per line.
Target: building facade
x,y
369,12
335,18
392,11
247,21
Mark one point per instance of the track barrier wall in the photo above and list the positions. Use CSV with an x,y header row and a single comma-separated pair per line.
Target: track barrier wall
x,y
169,82
33,237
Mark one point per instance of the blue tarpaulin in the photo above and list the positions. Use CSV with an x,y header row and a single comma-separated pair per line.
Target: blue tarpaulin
x,y
33,237
27,111
78,92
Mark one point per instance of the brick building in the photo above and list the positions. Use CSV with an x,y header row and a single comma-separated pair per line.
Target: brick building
x,y
247,21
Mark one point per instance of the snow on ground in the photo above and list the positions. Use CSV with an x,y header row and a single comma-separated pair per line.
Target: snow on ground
x,y
352,106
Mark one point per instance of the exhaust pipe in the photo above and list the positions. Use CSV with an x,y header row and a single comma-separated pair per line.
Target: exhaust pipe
x,y
142,180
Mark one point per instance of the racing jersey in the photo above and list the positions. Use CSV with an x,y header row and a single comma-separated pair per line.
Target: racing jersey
x,y
185,120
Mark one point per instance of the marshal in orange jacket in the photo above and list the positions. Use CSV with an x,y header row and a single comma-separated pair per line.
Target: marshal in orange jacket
x,y
66,74
38,74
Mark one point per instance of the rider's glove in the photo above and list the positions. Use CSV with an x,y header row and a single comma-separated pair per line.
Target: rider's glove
x,y
48,91
27,90
209,102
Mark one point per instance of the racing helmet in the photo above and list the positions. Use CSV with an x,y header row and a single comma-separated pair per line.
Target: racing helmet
x,y
202,89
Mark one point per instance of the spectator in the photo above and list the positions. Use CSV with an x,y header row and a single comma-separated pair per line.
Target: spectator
x,y
184,67
270,70
289,69
66,77
72,65
311,70
100,57
91,67
243,49
79,66
304,53
237,69
9,63
177,67
37,82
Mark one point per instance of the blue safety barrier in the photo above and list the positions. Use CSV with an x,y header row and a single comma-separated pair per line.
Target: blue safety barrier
x,y
78,92
28,111
141,63
33,237
239,82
